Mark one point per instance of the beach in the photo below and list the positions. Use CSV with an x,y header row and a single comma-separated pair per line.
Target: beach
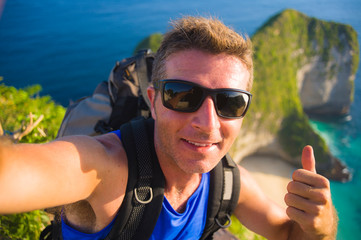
x,y
271,173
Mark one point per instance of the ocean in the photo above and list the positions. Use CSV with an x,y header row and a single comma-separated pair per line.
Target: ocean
x,y
69,46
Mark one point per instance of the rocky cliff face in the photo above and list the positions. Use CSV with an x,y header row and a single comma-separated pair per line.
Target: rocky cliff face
x,y
325,84
324,94
301,64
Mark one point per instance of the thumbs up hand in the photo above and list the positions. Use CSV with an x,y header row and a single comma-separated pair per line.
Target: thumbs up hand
x,y
309,202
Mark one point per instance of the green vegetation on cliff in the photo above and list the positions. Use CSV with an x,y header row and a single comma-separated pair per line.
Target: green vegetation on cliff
x,y
296,31
281,46
152,42
16,105
275,85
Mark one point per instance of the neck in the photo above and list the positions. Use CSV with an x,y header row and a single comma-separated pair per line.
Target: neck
x,y
179,189
179,185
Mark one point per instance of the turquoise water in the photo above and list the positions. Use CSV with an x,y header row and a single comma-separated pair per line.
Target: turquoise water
x,y
346,196
69,46
343,136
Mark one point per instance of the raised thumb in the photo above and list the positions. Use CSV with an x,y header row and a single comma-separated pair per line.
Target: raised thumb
x,y
308,159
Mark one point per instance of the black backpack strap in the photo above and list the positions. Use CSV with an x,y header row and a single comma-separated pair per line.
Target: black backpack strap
x,y
52,231
142,204
47,233
223,196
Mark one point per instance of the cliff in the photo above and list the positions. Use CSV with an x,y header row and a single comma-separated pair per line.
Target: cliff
x,y
325,76
301,65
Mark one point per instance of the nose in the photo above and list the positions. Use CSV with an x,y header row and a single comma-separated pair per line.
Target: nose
x,y
206,118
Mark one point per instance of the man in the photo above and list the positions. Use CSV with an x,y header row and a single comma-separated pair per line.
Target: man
x,y
200,65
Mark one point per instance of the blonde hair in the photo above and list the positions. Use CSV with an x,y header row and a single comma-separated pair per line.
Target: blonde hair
x,y
206,34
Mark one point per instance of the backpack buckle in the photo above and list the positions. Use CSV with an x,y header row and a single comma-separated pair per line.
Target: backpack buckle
x,y
142,190
226,224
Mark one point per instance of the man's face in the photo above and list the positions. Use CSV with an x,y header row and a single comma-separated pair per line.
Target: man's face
x,y
195,142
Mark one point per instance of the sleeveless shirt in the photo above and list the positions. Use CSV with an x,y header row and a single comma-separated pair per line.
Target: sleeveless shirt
x,y
170,224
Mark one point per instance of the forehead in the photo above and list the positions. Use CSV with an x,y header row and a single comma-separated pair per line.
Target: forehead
x,y
210,70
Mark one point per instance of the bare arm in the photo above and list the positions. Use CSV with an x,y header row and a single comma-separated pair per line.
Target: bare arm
x,y
258,213
34,176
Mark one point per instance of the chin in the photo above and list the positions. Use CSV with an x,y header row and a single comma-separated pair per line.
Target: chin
x,y
202,166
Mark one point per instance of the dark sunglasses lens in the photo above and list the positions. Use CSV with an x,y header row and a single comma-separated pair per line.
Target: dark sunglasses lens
x,y
231,104
181,96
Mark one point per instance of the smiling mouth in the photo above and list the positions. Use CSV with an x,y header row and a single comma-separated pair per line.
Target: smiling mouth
x,y
199,144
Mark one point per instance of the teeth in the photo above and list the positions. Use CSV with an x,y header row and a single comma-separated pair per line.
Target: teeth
x,y
199,144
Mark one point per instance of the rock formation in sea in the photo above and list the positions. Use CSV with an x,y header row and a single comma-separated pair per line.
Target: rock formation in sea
x,y
325,78
302,65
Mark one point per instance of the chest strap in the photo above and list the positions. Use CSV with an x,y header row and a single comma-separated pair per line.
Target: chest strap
x,y
142,204
223,196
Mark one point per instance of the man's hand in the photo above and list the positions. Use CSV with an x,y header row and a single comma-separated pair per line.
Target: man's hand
x,y
309,201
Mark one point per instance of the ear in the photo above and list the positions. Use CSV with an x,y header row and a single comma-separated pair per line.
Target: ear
x,y
151,96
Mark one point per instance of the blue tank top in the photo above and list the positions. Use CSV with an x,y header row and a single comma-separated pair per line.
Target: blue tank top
x,y
70,233
190,223
170,224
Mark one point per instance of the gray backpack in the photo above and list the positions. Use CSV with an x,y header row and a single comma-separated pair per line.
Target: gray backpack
x,y
114,102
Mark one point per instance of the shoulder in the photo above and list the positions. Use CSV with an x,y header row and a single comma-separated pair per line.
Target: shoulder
x,y
110,142
112,149
92,147
102,153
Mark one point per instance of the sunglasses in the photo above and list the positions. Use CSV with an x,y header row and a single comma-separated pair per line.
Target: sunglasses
x,y
184,96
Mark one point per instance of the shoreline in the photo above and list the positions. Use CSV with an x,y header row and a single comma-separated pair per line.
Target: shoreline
x,y
272,175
